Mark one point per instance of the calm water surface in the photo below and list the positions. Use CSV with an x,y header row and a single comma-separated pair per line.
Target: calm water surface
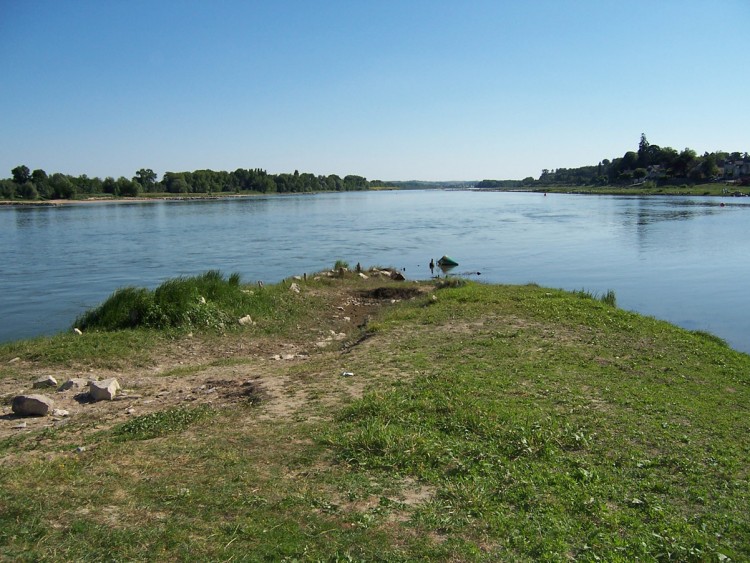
x,y
684,260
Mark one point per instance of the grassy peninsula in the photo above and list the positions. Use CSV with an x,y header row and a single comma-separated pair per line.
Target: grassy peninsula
x,y
350,419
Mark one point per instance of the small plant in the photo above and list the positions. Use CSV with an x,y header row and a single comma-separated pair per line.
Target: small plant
x,y
160,423
609,298
450,283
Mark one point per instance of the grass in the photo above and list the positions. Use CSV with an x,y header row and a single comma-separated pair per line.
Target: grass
x,y
490,423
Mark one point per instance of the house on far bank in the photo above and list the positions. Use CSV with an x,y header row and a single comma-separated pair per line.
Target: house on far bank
x,y
736,168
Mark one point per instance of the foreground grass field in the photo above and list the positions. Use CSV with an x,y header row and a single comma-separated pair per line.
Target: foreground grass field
x,y
479,423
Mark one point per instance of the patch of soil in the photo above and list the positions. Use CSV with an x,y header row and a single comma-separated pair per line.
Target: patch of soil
x,y
391,292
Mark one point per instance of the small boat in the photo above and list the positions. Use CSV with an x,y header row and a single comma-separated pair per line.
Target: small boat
x,y
447,261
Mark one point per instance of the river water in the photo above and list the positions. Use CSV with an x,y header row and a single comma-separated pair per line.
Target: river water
x,y
682,259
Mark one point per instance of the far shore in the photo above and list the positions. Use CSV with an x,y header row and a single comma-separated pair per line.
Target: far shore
x,y
714,189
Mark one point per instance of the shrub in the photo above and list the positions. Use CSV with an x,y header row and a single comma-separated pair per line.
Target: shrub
x,y
204,301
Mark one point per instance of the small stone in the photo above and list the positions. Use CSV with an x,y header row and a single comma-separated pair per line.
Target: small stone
x,y
347,319
32,405
131,410
294,287
363,276
19,426
347,374
78,331
14,360
80,449
298,278
246,320
46,381
104,390
202,300
76,384
60,412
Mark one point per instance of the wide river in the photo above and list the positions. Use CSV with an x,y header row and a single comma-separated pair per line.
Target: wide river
x,y
682,259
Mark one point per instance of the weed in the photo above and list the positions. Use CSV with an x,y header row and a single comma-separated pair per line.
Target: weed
x,y
160,423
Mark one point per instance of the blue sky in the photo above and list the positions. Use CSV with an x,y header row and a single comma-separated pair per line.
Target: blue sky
x,y
390,90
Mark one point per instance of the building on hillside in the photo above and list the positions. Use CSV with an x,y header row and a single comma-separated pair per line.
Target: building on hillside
x,y
736,169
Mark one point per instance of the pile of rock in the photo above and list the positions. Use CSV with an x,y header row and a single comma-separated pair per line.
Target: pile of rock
x,y
37,404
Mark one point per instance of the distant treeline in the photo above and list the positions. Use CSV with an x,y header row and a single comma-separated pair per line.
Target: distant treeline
x,y
37,184
650,163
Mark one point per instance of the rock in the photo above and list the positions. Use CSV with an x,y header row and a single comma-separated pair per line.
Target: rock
x,y
104,390
60,412
32,405
78,331
246,320
298,278
76,384
397,276
202,300
14,360
363,276
46,381
19,426
80,449
294,287
346,374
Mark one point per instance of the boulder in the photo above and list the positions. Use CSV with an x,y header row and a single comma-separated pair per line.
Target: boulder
x,y
104,390
397,276
32,405
76,384
46,381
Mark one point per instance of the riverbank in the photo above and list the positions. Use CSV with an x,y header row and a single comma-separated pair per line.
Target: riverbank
x,y
113,199
368,418
718,189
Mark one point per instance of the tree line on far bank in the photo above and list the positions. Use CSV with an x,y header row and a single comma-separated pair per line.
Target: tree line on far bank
x,y
650,163
37,184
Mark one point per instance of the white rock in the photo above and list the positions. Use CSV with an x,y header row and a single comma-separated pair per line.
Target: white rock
x,y
294,287
363,276
14,360
246,320
104,390
32,405
60,412
78,331
46,381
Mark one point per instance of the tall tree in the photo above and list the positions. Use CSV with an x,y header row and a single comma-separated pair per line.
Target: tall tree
x,y
21,174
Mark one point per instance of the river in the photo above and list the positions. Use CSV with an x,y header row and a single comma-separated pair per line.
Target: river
x,y
681,259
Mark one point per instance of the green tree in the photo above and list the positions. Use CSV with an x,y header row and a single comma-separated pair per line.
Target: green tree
x,y
643,152
61,187
21,174
146,178
128,188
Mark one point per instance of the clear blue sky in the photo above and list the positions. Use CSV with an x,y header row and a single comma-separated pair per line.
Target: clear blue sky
x,y
390,90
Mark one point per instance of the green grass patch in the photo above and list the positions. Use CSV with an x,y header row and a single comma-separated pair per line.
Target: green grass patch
x,y
499,423
160,423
